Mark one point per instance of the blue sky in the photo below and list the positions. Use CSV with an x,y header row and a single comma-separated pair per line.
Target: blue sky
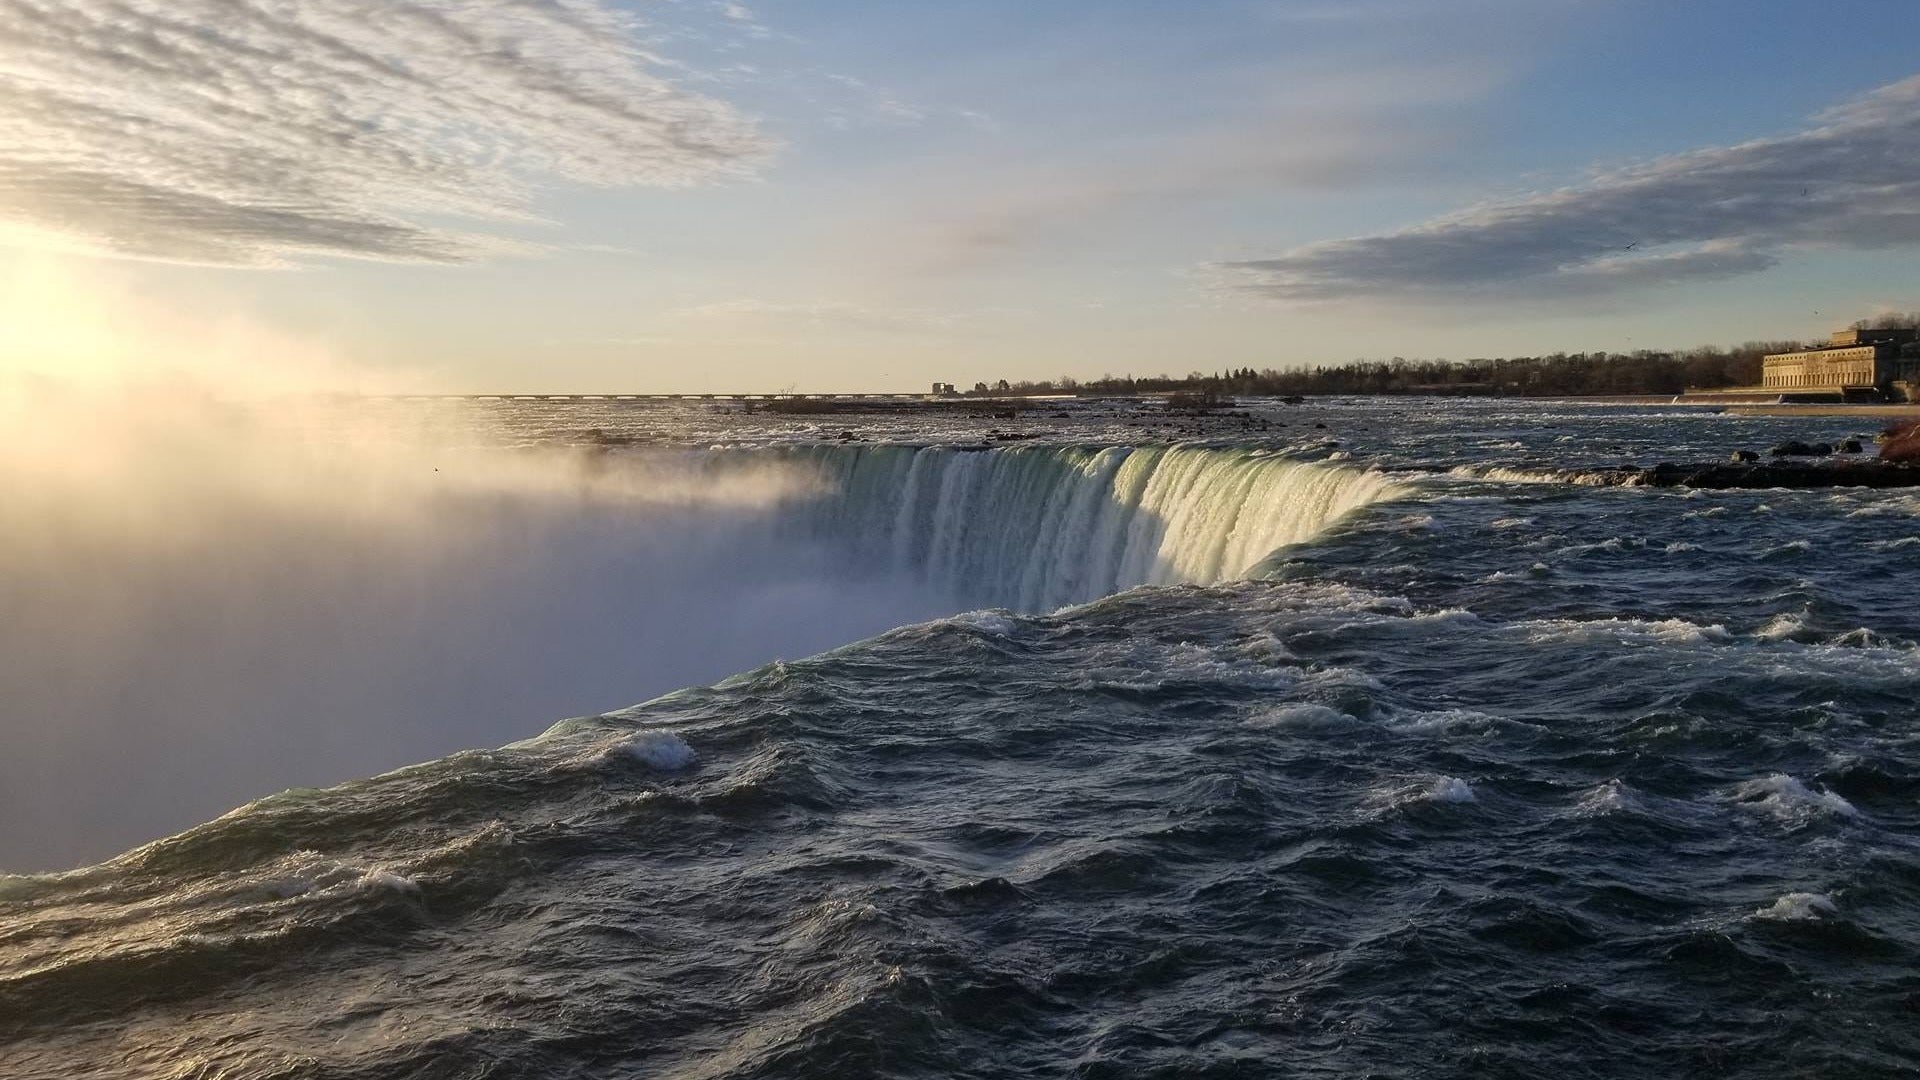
x,y
700,195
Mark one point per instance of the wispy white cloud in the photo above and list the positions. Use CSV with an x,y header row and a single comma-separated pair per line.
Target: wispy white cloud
x,y
1319,133
744,17
252,132
1851,181
836,315
869,104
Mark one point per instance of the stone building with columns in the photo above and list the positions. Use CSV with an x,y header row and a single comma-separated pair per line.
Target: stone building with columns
x,y
1854,362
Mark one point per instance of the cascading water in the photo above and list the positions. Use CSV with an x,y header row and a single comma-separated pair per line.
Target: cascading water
x,y
314,617
1038,527
1573,776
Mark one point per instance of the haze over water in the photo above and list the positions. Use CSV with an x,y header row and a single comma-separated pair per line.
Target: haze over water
x,y
1457,760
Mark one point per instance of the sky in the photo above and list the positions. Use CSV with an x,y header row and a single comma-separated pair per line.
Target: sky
x,y
819,195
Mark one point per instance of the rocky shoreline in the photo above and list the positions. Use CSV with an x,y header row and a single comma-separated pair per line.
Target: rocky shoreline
x,y
1776,474
1897,466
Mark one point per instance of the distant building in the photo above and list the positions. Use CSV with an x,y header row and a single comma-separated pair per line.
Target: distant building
x,y
1884,336
943,389
1860,361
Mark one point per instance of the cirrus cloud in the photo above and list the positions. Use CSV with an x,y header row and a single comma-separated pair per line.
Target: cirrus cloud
x,y
1850,181
254,132
836,316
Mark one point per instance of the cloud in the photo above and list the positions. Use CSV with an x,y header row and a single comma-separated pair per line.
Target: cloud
x,y
825,315
254,132
1026,206
1851,181
869,105
1316,131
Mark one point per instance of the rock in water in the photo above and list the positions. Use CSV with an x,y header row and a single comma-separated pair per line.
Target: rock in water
x,y
1901,442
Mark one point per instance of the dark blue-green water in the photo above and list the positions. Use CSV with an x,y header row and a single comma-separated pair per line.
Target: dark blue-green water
x,y
1465,772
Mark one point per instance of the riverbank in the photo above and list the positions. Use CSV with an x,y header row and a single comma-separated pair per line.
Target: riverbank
x,y
1887,412
1776,474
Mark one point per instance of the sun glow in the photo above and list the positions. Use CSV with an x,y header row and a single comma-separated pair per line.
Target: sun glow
x,y
76,321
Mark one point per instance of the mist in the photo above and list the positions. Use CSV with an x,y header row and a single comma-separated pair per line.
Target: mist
x,y
210,600
220,582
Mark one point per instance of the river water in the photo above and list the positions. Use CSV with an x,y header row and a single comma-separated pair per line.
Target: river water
x,y
1245,748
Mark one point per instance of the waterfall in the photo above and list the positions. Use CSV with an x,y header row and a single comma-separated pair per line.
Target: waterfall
x,y
1038,527
293,619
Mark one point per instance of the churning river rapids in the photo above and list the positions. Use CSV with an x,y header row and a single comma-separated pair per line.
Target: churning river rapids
x,y
1384,748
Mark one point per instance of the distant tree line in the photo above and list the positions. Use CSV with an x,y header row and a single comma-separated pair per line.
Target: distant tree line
x,y
1909,320
1560,374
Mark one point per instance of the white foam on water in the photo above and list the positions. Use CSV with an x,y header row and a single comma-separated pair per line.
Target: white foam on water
x,y
1444,616
1782,627
297,874
1860,658
1451,789
1788,799
1799,907
1611,797
1142,667
1509,475
1611,545
1451,722
1394,796
380,879
995,623
1341,680
662,750
1396,622
1889,504
1304,717
1626,631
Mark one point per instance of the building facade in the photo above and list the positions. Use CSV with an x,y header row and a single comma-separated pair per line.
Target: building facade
x,y
1854,360
1823,369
